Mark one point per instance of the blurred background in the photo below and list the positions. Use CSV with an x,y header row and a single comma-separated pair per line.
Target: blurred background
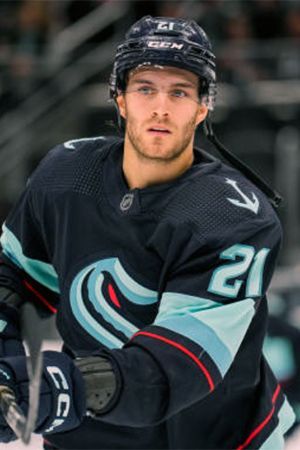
x,y
55,61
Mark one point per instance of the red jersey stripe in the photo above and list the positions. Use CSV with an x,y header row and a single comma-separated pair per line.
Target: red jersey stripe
x,y
185,351
261,426
40,296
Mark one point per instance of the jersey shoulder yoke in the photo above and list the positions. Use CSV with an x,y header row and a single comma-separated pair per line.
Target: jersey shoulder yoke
x,y
221,202
74,165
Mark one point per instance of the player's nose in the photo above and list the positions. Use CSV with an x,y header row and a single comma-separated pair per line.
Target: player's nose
x,y
161,105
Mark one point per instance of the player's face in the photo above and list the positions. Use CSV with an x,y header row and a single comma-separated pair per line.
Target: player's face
x,y
162,109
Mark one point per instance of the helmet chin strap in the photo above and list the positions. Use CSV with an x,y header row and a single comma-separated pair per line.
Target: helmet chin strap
x,y
120,119
274,197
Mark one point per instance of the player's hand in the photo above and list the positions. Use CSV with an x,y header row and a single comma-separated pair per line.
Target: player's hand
x,y
62,396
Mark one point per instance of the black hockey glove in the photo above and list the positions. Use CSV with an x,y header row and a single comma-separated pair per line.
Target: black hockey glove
x,y
101,384
10,333
62,395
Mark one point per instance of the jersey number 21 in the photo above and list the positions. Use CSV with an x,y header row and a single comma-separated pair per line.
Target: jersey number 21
x,y
225,281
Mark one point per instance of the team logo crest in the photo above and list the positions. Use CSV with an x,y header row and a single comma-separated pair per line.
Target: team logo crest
x,y
97,296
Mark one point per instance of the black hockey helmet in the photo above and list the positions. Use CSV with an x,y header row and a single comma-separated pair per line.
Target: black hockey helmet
x,y
165,41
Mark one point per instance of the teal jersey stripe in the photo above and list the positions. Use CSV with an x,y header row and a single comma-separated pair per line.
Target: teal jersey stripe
x,y
3,325
286,418
40,271
213,325
229,322
275,441
173,303
203,335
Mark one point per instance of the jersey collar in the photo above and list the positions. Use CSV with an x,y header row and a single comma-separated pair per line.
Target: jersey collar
x,y
136,201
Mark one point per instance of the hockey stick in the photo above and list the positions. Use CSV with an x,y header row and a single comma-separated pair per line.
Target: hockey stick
x,y
23,426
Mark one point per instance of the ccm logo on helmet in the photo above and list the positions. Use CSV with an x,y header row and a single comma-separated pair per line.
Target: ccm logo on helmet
x,y
164,44
63,399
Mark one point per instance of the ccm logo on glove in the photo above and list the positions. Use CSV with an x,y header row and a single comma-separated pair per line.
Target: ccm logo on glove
x,y
63,399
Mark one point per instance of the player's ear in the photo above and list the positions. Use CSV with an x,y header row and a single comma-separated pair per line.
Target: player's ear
x,y
121,105
202,113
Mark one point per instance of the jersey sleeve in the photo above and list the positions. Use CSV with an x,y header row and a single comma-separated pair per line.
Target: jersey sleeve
x,y
24,263
209,302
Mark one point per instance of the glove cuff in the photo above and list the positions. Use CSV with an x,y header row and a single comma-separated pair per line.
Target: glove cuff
x,y
67,391
101,387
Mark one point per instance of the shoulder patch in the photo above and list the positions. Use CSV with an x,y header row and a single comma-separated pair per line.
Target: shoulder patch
x,y
242,199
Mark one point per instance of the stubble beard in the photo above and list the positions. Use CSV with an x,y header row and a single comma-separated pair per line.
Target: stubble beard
x,y
143,150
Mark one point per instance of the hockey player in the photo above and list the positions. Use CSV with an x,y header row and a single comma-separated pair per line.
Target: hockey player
x,y
156,259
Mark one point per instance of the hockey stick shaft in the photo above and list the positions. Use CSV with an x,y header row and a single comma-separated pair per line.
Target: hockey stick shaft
x,y
21,425
13,414
34,397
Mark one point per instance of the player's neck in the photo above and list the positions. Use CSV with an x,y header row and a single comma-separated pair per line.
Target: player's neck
x,y
140,172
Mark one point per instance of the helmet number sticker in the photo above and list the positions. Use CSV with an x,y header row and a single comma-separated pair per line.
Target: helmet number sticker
x,y
165,25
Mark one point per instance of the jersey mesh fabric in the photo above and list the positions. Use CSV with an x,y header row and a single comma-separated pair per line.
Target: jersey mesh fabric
x,y
207,218
79,170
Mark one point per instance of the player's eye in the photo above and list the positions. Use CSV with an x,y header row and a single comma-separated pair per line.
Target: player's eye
x,y
146,90
179,93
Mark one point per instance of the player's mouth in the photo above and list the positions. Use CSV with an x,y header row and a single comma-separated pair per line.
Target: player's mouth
x,y
159,131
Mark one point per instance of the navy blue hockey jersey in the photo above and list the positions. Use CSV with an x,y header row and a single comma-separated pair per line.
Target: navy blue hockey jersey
x,y
169,282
